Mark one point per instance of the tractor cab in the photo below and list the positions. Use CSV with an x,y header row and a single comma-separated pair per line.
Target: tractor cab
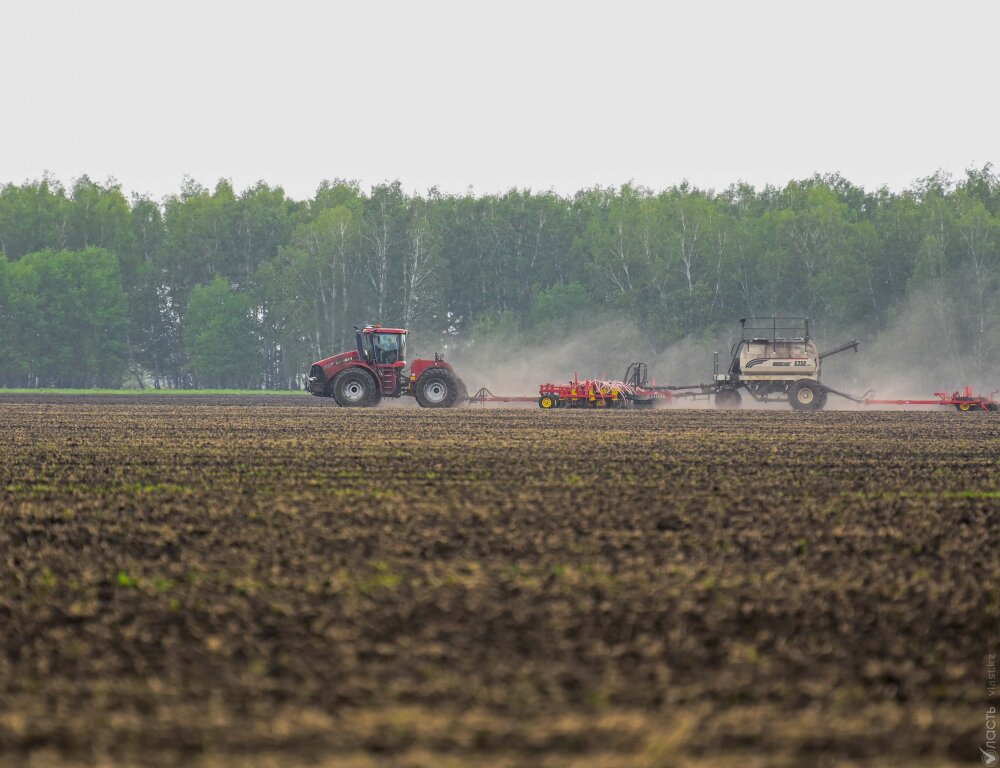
x,y
383,350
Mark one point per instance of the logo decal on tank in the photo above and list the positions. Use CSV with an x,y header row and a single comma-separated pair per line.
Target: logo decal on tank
x,y
776,363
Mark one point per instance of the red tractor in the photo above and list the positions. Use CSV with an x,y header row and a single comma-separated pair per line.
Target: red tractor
x,y
377,369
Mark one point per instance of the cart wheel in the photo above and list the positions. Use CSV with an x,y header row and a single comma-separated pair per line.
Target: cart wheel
x,y
964,406
805,395
728,399
546,402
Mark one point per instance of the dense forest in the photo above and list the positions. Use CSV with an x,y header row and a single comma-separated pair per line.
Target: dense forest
x,y
219,288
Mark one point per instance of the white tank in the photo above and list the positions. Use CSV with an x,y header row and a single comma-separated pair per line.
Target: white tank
x,y
782,359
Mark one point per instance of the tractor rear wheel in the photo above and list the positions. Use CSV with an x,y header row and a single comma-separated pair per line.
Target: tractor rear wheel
x,y
728,399
355,388
438,388
806,395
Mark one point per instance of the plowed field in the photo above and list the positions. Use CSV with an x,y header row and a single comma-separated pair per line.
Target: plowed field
x,y
222,581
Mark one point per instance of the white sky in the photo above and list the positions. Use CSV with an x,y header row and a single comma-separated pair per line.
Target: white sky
x,y
559,95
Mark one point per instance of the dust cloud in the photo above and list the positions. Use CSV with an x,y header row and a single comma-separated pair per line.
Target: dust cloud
x,y
603,351
916,354
517,368
922,350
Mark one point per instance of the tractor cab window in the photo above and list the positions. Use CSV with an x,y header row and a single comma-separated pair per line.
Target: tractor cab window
x,y
388,347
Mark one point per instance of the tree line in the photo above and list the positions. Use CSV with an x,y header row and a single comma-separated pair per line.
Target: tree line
x,y
219,288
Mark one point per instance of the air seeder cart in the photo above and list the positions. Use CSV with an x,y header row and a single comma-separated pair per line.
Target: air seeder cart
x,y
775,359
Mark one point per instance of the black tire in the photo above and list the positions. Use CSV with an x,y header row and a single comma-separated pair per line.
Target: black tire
x,y
728,399
806,395
437,388
463,394
548,402
823,397
355,388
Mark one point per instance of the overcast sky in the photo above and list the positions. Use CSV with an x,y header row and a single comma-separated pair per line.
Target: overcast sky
x,y
560,95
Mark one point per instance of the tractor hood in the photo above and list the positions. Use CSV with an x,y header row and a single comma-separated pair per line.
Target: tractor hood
x,y
343,357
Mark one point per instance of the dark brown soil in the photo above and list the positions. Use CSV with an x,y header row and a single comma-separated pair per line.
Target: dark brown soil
x,y
280,582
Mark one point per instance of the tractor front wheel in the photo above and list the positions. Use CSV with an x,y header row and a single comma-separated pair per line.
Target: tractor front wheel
x,y
355,388
806,395
438,388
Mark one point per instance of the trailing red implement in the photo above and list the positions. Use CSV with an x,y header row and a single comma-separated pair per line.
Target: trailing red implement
x,y
602,393
962,400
